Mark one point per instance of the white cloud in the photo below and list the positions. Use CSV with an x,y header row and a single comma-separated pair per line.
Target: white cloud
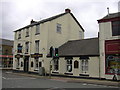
x,y
18,13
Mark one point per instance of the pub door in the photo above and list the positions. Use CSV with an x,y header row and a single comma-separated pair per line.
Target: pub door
x,y
26,64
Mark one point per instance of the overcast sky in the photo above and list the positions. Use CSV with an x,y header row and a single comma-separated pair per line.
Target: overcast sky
x,y
18,13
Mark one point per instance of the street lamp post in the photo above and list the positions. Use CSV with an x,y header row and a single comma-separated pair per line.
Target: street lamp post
x,y
50,68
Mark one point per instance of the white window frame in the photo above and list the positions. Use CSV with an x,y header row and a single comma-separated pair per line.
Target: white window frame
x,y
84,66
37,29
26,47
68,64
37,45
27,32
58,28
80,34
19,34
56,63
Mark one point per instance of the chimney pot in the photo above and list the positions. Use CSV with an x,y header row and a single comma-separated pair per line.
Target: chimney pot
x,y
67,10
32,21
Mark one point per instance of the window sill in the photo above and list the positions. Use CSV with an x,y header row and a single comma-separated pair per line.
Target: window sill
x,y
27,36
37,33
84,74
68,73
36,70
19,38
17,68
55,72
26,53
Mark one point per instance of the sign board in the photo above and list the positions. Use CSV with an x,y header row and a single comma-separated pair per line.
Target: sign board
x,y
112,46
36,55
18,56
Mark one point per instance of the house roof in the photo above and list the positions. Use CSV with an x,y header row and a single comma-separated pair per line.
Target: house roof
x,y
49,19
110,17
89,47
6,42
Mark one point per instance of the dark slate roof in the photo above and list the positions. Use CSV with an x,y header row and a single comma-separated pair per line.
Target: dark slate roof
x,y
89,47
49,19
6,42
112,15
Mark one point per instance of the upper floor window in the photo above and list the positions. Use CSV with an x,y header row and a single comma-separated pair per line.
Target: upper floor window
x,y
80,34
19,48
27,32
19,34
37,46
15,37
115,28
37,29
26,47
58,28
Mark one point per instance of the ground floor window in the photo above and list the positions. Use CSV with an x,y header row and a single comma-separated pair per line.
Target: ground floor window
x,y
69,65
112,63
32,64
36,63
56,65
84,66
76,64
7,62
40,64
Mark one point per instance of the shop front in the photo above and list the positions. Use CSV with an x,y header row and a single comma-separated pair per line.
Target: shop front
x,y
6,61
112,57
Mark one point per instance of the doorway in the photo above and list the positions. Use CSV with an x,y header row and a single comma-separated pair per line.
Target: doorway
x,y
26,64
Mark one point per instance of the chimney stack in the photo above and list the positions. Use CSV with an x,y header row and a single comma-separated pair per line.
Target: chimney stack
x,y
108,10
32,21
67,10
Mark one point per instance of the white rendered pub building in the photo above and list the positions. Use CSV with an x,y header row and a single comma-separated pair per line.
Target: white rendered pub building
x,y
33,42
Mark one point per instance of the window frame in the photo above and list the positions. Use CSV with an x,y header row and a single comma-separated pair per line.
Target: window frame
x,y
69,64
19,50
59,28
76,64
27,32
80,34
37,47
19,34
37,29
84,65
26,47
56,64
116,28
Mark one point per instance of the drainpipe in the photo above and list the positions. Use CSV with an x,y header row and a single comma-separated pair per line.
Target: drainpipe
x,y
99,69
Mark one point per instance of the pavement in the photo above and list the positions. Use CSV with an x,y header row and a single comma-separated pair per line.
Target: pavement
x,y
74,80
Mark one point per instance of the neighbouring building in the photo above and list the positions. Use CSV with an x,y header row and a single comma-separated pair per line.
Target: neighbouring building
x,y
6,54
109,46
78,59
33,42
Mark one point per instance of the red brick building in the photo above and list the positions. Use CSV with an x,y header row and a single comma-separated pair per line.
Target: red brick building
x,y
6,53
